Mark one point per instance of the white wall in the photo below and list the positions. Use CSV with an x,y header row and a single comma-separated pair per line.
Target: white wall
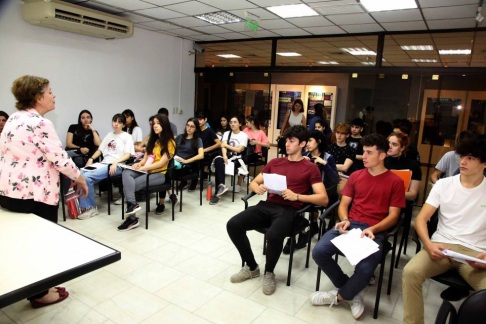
x,y
143,73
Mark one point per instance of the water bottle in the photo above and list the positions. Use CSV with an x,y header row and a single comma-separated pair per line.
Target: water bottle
x,y
150,159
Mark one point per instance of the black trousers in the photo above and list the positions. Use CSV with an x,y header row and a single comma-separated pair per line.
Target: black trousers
x,y
29,206
277,218
220,169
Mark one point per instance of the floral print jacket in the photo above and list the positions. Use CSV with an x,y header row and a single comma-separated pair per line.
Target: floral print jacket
x,y
31,157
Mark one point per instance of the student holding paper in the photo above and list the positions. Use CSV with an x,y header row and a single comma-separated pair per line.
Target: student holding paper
x,y
277,212
461,203
377,195
396,160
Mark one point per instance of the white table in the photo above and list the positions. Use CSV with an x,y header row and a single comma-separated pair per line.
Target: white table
x,y
36,254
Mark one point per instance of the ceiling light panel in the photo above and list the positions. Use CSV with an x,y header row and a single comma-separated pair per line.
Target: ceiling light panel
x,y
368,63
293,11
289,54
386,5
424,60
229,56
331,62
221,17
417,48
358,51
455,52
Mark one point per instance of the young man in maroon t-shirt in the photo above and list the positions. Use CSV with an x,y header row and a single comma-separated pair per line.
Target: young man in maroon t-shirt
x,y
377,195
277,212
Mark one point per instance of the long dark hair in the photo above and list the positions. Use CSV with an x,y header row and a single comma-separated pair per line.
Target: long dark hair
x,y
253,119
80,129
163,138
129,129
196,134
319,109
320,139
298,101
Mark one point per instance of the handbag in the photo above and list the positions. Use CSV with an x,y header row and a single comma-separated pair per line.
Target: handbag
x,y
72,202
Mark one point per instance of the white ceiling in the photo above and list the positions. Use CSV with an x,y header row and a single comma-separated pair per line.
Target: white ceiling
x,y
176,17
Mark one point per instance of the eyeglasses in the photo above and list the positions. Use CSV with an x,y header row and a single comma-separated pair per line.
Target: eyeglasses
x,y
190,126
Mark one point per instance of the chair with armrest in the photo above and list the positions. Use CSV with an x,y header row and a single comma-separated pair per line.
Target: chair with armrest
x,y
298,225
408,211
471,310
261,160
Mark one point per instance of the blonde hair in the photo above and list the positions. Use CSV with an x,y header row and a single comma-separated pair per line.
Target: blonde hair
x,y
27,90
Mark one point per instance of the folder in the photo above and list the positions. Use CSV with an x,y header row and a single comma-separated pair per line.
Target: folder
x,y
405,175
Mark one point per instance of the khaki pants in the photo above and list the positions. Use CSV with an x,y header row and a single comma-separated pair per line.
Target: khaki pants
x,y
422,267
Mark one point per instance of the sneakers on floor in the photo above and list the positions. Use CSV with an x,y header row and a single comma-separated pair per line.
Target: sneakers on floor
x,y
221,190
245,274
88,213
372,280
192,188
128,224
269,283
321,298
118,201
175,200
184,185
300,244
357,305
132,209
214,200
160,209
237,188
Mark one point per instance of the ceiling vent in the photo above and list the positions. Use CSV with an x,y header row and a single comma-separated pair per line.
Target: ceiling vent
x,y
75,19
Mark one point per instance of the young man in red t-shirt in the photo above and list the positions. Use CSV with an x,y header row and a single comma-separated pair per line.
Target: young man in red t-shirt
x,y
277,212
377,195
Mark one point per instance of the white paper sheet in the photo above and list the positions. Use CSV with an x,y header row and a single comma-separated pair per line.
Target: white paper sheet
x,y
459,257
130,168
229,168
275,182
354,247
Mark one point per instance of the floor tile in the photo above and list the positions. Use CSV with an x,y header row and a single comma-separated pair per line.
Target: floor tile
x,y
173,314
154,277
244,289
171,254
130,261
142,243
203,267
286,299
70,311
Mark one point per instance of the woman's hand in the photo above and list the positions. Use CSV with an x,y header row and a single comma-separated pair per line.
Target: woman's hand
x,y
84,150
225,160
113,168
320,160
90,161
136,166
90,127
307,158
181,160
82,187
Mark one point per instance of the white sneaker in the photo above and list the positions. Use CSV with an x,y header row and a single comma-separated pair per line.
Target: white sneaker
x,y
320,298
357,305
92,212
118,201
237,188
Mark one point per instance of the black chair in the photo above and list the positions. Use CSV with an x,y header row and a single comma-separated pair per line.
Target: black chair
x,y
186,175
298,225
450,278
261,160
471,310
281,150
387,247
408,211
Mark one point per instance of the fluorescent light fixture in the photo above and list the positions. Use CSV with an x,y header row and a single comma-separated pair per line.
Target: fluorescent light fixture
x,y
332,62
417,48
368,63
221,17
292,11
358,51
435,77
455,52
404,76
289,54
229,56
354,75
424,60
385,5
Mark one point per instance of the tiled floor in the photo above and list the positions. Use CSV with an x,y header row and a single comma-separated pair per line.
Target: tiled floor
x,y
178,272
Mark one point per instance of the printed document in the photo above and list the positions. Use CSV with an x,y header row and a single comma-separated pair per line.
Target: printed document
x,y
275,183
459,257
354,247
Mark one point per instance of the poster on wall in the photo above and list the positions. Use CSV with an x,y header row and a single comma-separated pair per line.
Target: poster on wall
x,y
285,101
314,98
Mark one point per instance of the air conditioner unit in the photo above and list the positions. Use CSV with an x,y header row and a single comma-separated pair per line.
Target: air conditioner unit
x,y
75,19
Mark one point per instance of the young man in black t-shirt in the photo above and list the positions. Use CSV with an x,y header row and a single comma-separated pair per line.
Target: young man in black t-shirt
x,y
342,153
211,142
354,141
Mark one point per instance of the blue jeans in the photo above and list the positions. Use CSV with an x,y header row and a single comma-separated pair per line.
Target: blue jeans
x,y
348,287
93,177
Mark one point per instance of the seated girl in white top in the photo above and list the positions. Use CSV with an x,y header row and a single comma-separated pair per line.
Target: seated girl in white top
x,y
133,129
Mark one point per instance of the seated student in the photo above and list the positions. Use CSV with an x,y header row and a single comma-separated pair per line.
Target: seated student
x,y
321,125
449,162
82,140
354,141
377,195
133,129
146,138
316,153
173,127
162,145
405,126
224,126
460,203
116,147
211,142
396,160
190,149
342,153
256,137
234,142
277,212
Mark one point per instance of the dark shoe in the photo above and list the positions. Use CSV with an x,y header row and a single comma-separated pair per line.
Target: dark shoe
x,y
174,199
454,294
62,295
214,201
314,229
128,224
132,209
160,209
192,188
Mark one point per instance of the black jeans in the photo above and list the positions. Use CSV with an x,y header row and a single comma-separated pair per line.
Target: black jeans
x,y
277,218
220,168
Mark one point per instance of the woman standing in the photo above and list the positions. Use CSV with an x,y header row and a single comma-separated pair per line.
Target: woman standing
x,y
294,117
161,144
82,139
3,120
31,158
132,128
